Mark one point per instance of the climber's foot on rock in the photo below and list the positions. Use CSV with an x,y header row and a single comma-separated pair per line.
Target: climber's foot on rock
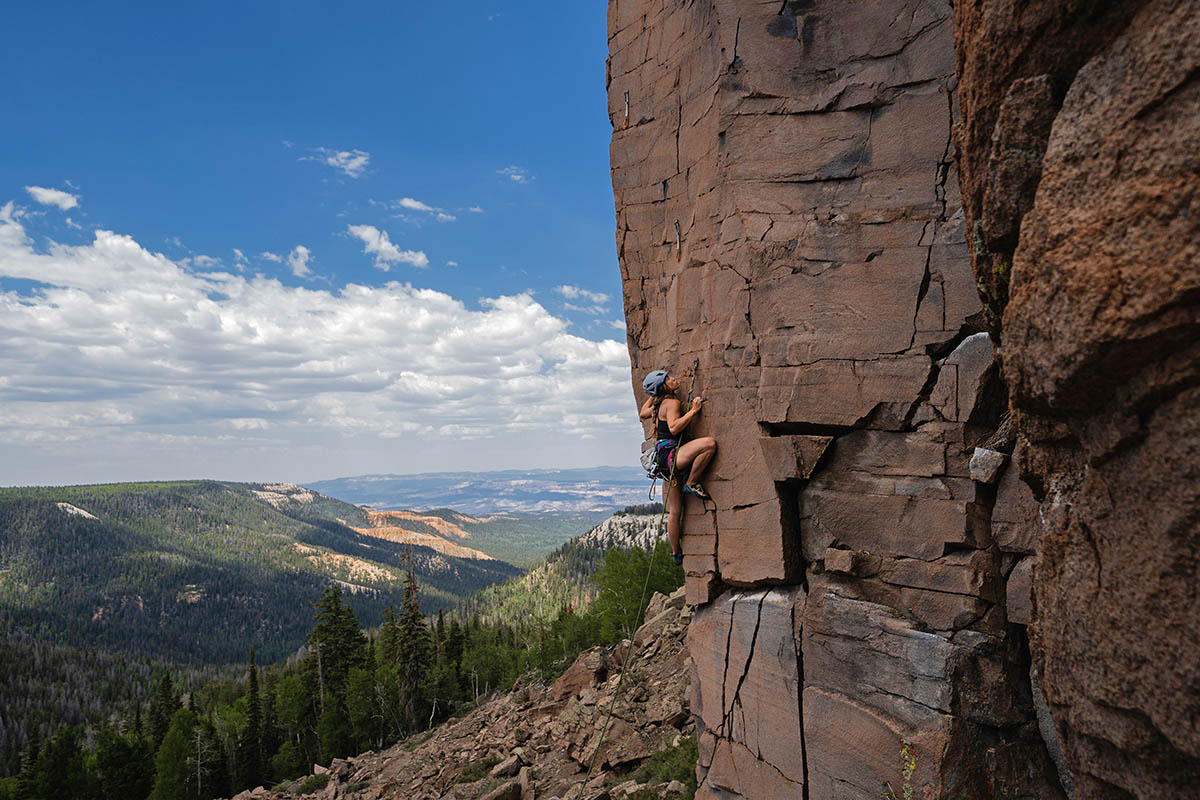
x,y
696,489
678,558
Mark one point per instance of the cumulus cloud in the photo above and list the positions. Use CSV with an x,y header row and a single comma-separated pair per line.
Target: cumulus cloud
x,y
351,162
114,348
386,253
298,260
269,256
516,174
53,197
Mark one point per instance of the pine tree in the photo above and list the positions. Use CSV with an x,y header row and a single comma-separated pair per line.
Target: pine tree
x,y
162,709
334,731
27,779
413,659
173,774
338,642
248,761
123,764
388,632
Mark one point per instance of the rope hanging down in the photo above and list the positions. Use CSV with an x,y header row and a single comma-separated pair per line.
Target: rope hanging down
x,y
629,656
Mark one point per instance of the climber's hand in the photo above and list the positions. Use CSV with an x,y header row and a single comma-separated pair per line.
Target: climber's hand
x,y
696,403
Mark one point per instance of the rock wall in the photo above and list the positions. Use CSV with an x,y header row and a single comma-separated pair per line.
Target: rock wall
x,y
789,223
1079,156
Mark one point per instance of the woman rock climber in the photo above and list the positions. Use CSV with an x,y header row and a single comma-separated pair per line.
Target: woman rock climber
x,y
679,465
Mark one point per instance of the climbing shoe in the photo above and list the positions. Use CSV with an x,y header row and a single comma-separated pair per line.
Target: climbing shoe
x,y
696,489
678,558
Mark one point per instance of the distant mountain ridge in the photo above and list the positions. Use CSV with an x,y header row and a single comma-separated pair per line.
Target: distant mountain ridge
x,y
590,490
200,570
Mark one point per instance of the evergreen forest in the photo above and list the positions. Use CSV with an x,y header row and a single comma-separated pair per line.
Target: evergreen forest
x,y
346,691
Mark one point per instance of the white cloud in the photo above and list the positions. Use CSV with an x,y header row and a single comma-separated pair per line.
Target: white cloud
x,y
352,162
475,210
239,258
73,224
451,263
575,293
413,205
298,260
269,256
386,253
597,300
117,354
516,174
53,197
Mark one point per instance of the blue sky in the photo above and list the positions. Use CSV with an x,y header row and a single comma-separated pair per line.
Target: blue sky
x,y
290,241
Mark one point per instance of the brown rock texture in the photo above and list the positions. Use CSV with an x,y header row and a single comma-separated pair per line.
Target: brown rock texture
x,y
1079,160
789,223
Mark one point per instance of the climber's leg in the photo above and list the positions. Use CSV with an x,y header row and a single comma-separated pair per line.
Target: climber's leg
x,y
693,458
674,500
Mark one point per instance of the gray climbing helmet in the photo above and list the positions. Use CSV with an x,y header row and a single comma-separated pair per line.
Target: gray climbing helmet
x,y
653,383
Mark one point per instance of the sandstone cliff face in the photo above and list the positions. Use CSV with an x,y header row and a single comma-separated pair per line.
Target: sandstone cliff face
x,y
789,220
1096,106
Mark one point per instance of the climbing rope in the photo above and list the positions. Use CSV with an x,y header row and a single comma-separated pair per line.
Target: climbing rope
x,y
629,656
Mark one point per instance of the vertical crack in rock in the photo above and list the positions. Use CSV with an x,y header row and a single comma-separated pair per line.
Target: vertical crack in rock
x,y
722,732
737,34
797,638
727,722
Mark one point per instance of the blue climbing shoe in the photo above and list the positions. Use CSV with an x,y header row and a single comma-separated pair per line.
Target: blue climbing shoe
x,y
678,558
696,489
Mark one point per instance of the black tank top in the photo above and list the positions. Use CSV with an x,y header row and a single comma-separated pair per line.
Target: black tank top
x,y
664,429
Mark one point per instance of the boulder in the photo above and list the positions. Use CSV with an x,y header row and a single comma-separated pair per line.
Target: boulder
x,y
589,668
986,465
963,376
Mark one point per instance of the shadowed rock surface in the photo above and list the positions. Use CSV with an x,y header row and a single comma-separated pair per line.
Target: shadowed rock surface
x,y
1098,104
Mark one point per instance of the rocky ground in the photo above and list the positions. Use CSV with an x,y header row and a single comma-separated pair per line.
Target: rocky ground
x,y
537,741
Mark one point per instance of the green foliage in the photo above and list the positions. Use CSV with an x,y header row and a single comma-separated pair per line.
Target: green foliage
x,y
477,770
676,763
249,770
288,763
627,581
124,764
342,694
314,783
908,766
333,728
172,773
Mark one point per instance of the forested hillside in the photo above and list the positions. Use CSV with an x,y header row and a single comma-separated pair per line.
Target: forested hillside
x,y
345,693
200,570
563,579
